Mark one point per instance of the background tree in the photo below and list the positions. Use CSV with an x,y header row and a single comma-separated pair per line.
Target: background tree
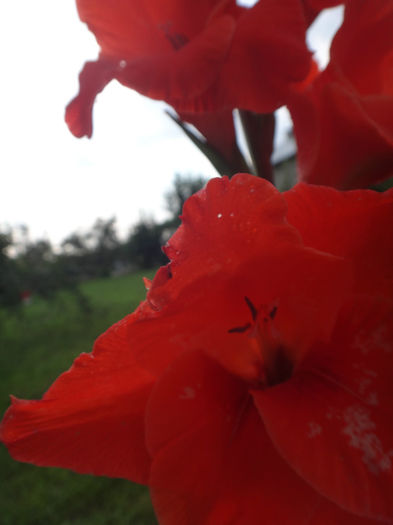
x,y
37,268
183,187
144,244
9,285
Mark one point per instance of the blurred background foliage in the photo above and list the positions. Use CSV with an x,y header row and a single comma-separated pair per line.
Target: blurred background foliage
x,y
31,269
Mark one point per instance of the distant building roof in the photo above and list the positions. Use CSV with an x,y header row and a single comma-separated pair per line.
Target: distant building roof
x,y
285,149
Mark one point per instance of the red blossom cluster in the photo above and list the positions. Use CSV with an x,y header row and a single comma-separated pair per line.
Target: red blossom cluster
x,y
343,116
255,382
207,57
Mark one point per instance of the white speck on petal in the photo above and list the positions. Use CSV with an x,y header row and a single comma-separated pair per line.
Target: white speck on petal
x,y
219,215
314,429
362,342
363,385
361,432
368,341
365,388
188,393
381,340
372,399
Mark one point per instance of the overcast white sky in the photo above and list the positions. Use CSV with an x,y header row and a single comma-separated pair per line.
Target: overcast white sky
x,y
55,183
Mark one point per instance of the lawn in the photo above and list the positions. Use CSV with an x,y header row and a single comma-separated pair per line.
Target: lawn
x,y
34,348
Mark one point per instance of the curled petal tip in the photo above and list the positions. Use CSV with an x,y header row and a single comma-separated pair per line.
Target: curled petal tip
x,y
92,80
79,119
147,282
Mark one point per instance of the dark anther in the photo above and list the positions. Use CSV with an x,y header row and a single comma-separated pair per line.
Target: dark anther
x,y
170,275
272,313
239,329
177,40
252,308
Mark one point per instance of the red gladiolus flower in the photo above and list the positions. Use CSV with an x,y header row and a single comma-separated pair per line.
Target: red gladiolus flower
x,y
255,381
197,56
343,117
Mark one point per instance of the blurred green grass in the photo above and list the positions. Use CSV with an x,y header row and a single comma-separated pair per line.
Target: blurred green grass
x,y
35,347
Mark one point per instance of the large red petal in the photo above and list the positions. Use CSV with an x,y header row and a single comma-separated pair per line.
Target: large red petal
x,y
268,53
343,120
92,418
363,43
130,29
333,420
223,225
234,243
151,46
354,154
213,462
185,54
181,76
123,29
350,224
